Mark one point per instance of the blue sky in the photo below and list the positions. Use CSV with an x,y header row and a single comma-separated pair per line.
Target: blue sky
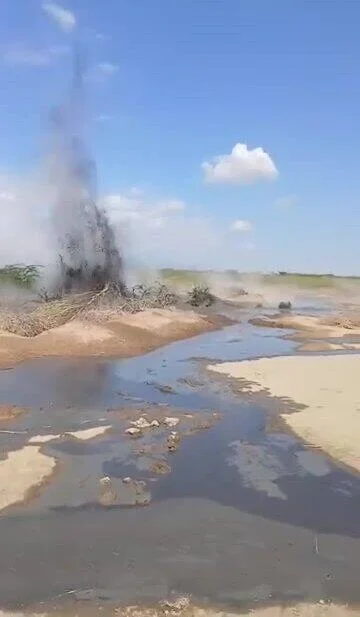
x,y
173,84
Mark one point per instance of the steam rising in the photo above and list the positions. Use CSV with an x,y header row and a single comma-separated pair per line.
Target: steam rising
x,y
88,255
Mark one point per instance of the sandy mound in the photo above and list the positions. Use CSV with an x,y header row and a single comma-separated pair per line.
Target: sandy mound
x,y
120,336
79,331
325,385
22,471
158,319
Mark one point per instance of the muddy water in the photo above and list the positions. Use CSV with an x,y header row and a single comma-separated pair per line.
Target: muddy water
x,y
245,514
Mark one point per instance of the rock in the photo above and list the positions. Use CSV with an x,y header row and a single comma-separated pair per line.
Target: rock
x,y
171,422
173,441
176,605
155,424
285,306
160,467
141,423
133,432
107,494
127,480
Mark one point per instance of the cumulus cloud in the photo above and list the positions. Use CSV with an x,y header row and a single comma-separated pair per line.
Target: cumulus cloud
x,y
64,18
241,225
242,166
21,55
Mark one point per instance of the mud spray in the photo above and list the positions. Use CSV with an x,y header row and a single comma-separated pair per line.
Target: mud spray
x,y
89,258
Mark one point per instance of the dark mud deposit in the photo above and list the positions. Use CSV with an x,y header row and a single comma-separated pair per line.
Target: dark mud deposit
x,y
244,515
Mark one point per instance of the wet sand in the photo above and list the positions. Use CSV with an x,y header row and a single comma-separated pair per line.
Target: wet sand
x,y
325,388
124,336
243,518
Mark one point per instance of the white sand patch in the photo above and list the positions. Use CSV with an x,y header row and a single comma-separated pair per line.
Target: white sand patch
x,y
328,387
21,471
38,439
89,433
83,435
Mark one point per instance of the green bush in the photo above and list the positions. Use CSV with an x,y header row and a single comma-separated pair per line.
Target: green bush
x,y
200,295
19,275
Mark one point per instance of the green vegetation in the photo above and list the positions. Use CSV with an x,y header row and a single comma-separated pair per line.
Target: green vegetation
x,y
296,279
19,275
182,277
200,295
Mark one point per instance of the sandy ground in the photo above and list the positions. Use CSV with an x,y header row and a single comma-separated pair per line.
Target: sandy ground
x,y
308,327
326,386
123,336
297,610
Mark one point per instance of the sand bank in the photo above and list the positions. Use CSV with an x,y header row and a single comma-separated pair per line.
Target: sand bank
x,y
121,336
327,390
309,327
21,472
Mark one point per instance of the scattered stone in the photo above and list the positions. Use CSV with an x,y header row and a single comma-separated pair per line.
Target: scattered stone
x,y
171,422
173,441
161,468
163,388
134,432
107,494
285,306
141,423
127,480
176,605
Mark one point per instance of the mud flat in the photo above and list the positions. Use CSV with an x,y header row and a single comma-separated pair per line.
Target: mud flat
x,y
324,388
122,336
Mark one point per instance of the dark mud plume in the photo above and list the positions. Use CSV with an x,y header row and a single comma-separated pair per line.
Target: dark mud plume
x,y
89,258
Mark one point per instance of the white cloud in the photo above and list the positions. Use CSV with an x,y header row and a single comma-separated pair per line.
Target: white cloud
x,y
165,233
285,203
65,19
106,68
21,55
242,166
241,225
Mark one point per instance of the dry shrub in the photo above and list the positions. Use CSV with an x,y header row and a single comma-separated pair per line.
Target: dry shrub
x,y
54,313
